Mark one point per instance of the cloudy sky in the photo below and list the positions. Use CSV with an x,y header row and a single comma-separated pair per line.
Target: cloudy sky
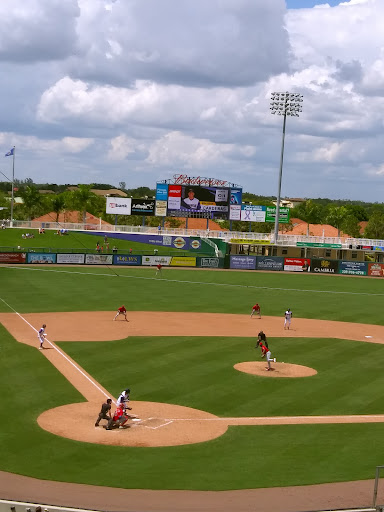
x,y
139,90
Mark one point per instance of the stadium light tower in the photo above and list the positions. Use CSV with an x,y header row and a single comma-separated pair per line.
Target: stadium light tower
x,y
284,104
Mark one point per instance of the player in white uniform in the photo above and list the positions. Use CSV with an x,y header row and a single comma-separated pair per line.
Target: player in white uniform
x,y
288,318
41,336
191,201
124,398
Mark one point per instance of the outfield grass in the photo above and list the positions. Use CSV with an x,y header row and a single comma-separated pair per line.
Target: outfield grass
x,y
198,372
76,241
350,299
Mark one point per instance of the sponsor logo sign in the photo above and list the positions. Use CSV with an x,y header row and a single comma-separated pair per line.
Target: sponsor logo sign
x,y
236,196
356,268
209,262
243,262
376,269
155,260
126,259
270,263
36,257
119,205
328,246
77,259
297,264
234,212
195,244
174,197
12,257
270,214
143,207
253,213
161,192
179,242
98,259
378,248
324,266
161,209
181,261
249,241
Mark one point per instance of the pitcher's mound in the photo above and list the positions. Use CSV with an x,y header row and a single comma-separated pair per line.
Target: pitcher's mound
x,y
277,369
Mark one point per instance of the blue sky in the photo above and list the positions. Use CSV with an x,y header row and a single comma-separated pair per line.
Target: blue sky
x,y
303,4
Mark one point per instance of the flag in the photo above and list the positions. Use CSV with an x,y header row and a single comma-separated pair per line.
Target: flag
x,y
10,152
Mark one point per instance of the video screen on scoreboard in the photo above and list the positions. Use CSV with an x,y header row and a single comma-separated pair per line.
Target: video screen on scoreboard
x,y
195,198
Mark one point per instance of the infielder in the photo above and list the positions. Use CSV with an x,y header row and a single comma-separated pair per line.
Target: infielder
x,y
256,309
288,318
121,311
41,336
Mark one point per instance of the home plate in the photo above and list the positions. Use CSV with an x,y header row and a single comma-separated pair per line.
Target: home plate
x,y
136,419
368,336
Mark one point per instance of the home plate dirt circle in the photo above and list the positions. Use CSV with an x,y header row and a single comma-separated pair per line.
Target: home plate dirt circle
x,y
160,425
277,369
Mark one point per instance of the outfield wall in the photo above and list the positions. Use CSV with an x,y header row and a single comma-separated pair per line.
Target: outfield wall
x,y
233,261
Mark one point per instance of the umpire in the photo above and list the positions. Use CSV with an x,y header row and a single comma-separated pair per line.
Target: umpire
x,y
105,412
261,338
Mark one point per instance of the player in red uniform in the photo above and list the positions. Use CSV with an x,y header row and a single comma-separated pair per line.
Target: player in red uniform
x,y
256,309
267,353
118,419
159,266
121,311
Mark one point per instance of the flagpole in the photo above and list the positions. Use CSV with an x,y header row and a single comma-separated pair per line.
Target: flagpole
x,y
13,181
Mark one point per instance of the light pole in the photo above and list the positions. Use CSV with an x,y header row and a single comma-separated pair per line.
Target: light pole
x,y
12,196
284,104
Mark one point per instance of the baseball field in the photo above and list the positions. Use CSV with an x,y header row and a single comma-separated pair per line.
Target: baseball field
x,y
205,424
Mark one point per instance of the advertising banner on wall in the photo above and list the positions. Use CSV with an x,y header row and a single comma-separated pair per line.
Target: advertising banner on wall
x,y
161,209
119,205
270,263
143,207
194,244
155,260
126,259
242,262
310,244
236,196
183,261
98,259
195,198
324,266
41,257
210,262
161,192
12,257
249,241
77,259
376,269
297,264
356,268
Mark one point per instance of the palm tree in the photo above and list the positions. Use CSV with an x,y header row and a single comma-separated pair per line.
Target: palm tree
x,y
32,201
82,199
58,204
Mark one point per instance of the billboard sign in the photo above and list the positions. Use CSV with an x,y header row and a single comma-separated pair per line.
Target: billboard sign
x,y
376,269
98,259
253,213
297,264
324,266
126,259
155,260
234,212
236,196
356,268
13,257
270,214
183,261
161,208
77,259
119,205
161,192
41,257
270,263
174,197
242,262
143,207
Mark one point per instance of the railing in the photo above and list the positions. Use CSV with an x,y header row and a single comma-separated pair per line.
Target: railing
x,y
284,239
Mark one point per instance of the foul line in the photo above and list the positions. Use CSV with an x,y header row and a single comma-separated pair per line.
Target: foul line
x,y
59,351
194,282
283,418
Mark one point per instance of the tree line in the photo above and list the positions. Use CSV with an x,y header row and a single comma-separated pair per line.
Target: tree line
x,y
345,216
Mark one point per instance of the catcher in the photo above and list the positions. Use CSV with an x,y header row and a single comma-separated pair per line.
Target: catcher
x,y
119,419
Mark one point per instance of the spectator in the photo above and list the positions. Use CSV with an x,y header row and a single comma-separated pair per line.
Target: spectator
x,y
114,250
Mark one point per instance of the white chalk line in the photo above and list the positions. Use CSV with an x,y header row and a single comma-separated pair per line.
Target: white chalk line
x,y
71,362
194,282
284,418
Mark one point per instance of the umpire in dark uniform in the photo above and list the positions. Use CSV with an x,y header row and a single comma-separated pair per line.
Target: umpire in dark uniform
x,y
261,337
105,412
